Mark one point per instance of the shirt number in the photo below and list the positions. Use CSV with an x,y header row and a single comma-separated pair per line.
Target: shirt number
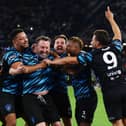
x,y
110,59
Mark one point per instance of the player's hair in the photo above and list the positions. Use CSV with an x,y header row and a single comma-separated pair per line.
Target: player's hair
x,y
61,36
14,32
42,37
78,40
102,36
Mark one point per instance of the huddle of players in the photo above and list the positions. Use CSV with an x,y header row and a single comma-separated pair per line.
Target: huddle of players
x,y
34,80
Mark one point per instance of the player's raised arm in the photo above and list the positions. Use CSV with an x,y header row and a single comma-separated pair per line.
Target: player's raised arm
x,y
115,28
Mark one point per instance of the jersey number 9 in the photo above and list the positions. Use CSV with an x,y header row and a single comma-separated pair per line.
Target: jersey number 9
x,y
110,59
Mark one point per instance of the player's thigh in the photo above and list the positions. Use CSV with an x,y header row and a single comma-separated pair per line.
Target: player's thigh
x,y
7,104
85,109
124,102
62,102
113,104
19,107
50,110
32,110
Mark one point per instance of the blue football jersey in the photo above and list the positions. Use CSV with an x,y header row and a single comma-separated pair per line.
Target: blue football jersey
x,y
60,79
106,62
11,84
39,80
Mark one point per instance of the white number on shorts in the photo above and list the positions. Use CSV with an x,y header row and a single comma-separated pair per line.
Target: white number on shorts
x,y
110,59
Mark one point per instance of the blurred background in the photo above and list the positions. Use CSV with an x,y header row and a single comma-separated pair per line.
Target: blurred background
x,y
53,17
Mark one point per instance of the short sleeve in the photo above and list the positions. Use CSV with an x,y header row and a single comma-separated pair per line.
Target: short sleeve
x,y
84,58
117,44
12,57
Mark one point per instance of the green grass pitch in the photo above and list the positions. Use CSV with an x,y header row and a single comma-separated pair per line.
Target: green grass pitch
x,y
100,117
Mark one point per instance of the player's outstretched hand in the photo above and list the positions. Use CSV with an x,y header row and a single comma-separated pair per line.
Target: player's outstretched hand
x,y
108,14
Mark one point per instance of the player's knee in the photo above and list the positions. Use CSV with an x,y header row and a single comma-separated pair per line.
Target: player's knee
x,y
57,123
117,123
11,123
10,120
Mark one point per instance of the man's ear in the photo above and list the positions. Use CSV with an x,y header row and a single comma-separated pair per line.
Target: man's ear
x,y
98,43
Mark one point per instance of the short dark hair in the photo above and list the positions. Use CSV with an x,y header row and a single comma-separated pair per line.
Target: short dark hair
x,y
61,36
42,37
14,32
102,36
78,40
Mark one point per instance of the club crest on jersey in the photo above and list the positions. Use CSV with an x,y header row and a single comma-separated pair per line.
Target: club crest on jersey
x,y
12,57
33,119
8,107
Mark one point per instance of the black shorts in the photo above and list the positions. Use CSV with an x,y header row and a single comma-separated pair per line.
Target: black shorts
x,y
62,103
85,109
115,102
10,103
19,107
39,109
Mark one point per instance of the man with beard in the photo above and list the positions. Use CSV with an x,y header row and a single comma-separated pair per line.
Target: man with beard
x,y
12,85
59,93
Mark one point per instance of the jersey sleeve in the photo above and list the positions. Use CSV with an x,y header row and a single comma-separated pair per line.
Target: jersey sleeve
x,y
117,44
12,57
84,58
